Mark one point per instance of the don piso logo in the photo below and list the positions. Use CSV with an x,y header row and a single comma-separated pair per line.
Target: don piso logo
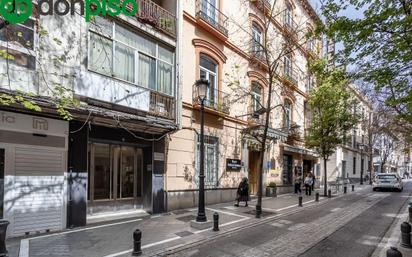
x,y
18,11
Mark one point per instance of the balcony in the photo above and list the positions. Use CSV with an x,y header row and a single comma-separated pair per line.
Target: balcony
x,y
255,118
290,75
215,100
262,3
288,22
212,16
162,106
153,14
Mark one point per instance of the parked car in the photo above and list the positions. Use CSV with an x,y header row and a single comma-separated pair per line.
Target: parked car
x,y
387,181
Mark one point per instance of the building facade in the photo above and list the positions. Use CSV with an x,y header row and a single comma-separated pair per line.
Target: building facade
x,y
109,159
222,43
351,159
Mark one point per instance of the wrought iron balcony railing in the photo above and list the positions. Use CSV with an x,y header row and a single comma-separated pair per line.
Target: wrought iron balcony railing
x,y
290,74
212,15
153,14
255,117
215,99
162,105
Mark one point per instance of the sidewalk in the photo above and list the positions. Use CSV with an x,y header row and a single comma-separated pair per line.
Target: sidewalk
x,y
393,236
158,232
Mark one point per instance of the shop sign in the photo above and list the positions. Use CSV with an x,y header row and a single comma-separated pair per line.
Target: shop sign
x,y
233,164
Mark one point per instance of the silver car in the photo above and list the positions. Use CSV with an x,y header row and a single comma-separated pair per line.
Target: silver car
x,y
390,181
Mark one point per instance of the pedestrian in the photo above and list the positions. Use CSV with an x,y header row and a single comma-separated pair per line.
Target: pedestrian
x,y
298,183
313,181
243,192
308,184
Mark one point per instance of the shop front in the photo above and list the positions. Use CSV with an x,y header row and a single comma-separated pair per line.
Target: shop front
x,y
33,165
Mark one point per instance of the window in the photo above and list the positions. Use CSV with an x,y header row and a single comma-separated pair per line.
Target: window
x,y
256,97
354,139
117,52
211,160
209,9
17,43
287,173
288,15
343,169
354,165
288,113
257,40
309,83
208,70
288,65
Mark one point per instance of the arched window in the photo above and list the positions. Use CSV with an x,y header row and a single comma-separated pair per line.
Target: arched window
x,y
257,40
288,113
257,93
208,70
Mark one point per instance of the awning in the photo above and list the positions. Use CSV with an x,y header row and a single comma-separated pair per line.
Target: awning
x,y
273,134
299,150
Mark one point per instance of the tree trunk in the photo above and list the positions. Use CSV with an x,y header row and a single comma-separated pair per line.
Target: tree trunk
x,y
325,175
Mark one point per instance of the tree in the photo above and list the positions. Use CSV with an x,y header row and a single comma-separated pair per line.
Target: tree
x,y
268,51
332,117
379,45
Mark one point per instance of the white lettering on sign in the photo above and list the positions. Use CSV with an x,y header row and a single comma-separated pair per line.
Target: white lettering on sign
x,y
7,118
40,124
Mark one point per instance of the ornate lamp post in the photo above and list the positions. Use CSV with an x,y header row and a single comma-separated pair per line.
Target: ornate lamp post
x,y
361,147
202,86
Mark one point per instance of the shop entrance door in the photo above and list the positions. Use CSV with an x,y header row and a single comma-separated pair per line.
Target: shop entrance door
x,y
116,177
253,171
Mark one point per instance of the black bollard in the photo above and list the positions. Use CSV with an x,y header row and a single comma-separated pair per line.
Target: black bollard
x,y
329,193
300,201
393,252
137,243
215,221
345,189
353,188
3,230
410,213
406,235
317,197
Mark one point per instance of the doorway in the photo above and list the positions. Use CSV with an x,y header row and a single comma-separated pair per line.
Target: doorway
x,y
253,171
115,177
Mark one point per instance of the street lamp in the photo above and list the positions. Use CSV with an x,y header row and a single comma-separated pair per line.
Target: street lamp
x,y
202,86
361,147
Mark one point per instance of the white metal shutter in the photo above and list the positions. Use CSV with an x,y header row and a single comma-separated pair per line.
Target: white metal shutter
x,y
38,189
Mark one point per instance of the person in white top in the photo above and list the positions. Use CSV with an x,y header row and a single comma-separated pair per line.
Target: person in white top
x,y
308,184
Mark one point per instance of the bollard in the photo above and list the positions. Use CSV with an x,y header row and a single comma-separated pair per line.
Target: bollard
x,y
137,243
353,188
410,213
215,221
406,235
329,193
317,197
393,252
345,189
3,230
300,201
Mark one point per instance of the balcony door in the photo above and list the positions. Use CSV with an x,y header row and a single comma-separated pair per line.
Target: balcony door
x,y
210,8
208,70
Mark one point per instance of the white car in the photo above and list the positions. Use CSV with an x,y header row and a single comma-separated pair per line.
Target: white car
x,y
390,181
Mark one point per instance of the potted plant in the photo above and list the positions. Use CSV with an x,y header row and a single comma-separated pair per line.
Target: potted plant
x,y
271,190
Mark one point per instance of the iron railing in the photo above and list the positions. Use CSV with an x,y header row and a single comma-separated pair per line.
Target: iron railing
x,y
290,74
162,105
215,99
255,117
212,15
153,14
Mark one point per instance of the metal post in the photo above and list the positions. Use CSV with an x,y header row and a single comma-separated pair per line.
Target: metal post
x,y
216,221
300,201
137,243
329,193
353,188
201,215
345,189
393,252
3,230
406,235
317,197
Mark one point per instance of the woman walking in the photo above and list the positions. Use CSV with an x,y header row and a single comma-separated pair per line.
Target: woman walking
x,y
243,192
298,183
308,184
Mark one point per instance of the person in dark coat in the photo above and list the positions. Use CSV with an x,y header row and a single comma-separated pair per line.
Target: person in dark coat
x,y
243,192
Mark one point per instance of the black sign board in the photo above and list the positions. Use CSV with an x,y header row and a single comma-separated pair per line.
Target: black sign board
x,y
233,164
